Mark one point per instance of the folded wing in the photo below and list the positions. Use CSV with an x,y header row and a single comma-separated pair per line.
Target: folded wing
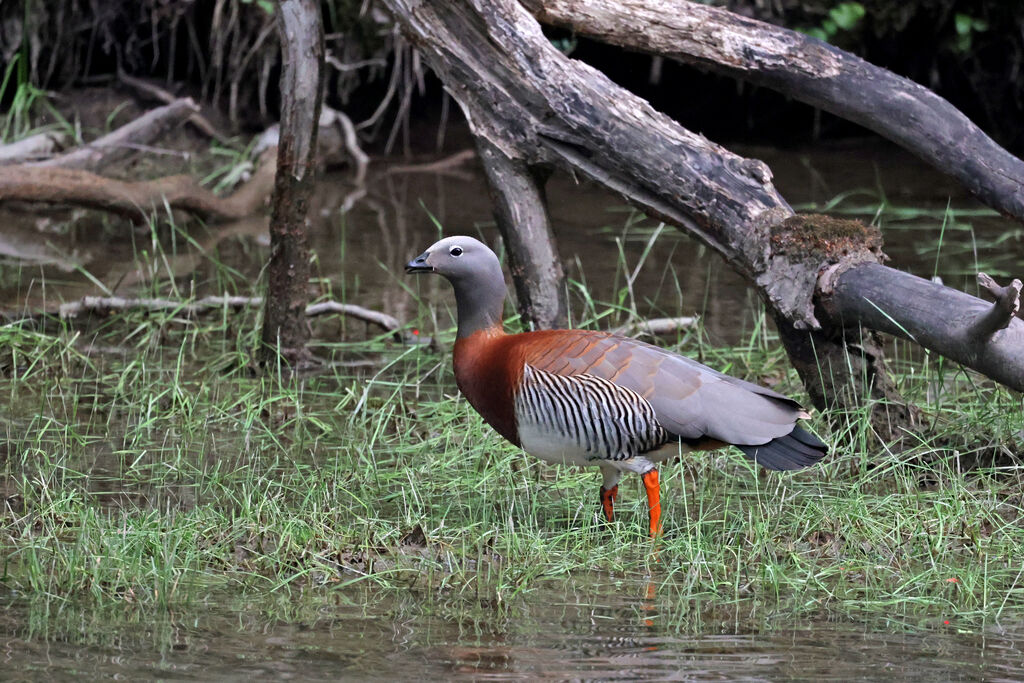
x,y
691,401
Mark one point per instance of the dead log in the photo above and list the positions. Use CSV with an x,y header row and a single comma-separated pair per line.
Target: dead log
x,y
33,148
146,89
33,183
123,141
520,211
302,45
539,107
811,71
986,337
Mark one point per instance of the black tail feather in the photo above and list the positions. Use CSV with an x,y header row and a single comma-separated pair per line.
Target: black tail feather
x,y
795,451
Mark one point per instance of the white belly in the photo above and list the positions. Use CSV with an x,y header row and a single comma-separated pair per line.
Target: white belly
x,y
554,448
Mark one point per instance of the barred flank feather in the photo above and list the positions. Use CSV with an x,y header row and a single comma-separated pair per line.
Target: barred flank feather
x,y
605,420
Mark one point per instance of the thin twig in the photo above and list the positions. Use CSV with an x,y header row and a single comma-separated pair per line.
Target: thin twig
x,y
440,166
107,304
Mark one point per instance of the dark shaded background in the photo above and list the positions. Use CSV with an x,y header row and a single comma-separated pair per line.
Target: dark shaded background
x,y
225,53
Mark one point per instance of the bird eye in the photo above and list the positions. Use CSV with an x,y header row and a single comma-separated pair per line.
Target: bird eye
x,y
455,251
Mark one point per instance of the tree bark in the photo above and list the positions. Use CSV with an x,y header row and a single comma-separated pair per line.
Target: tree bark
x,y
983,336
537,106
811,71
520,210
285,332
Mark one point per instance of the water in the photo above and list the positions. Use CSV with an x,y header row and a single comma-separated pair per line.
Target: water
x,y
362,238
586,627
568,630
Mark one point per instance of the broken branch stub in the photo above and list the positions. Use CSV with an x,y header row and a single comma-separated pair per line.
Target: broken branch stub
x,y
999,316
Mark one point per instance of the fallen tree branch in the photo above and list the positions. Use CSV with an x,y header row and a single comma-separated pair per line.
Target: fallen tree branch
x,y
657,326
811,71
985,337
118,144
151,90
33,148
33,183
100,305
382,320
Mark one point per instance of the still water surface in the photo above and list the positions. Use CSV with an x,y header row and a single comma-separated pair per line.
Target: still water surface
x,y
574,630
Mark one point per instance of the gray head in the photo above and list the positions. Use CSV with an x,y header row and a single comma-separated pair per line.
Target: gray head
x,y
474,272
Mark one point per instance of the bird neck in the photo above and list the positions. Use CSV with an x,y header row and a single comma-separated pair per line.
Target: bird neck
x,y
480,302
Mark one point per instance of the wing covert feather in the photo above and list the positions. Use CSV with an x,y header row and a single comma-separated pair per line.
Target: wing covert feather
x,y
690,400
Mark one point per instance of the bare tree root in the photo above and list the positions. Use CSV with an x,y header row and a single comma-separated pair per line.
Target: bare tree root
x,y
33,183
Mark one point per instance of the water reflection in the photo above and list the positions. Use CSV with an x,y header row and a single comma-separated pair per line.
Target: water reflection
x,y
363,235
569,631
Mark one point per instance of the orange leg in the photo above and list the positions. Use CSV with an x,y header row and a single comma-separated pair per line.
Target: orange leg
x,y
608,502
650,479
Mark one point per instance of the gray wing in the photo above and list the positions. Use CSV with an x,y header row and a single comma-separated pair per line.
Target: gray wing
x,y
690,400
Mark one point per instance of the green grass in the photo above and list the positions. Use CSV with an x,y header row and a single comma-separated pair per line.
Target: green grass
x,y
144,461
25,103
161,470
